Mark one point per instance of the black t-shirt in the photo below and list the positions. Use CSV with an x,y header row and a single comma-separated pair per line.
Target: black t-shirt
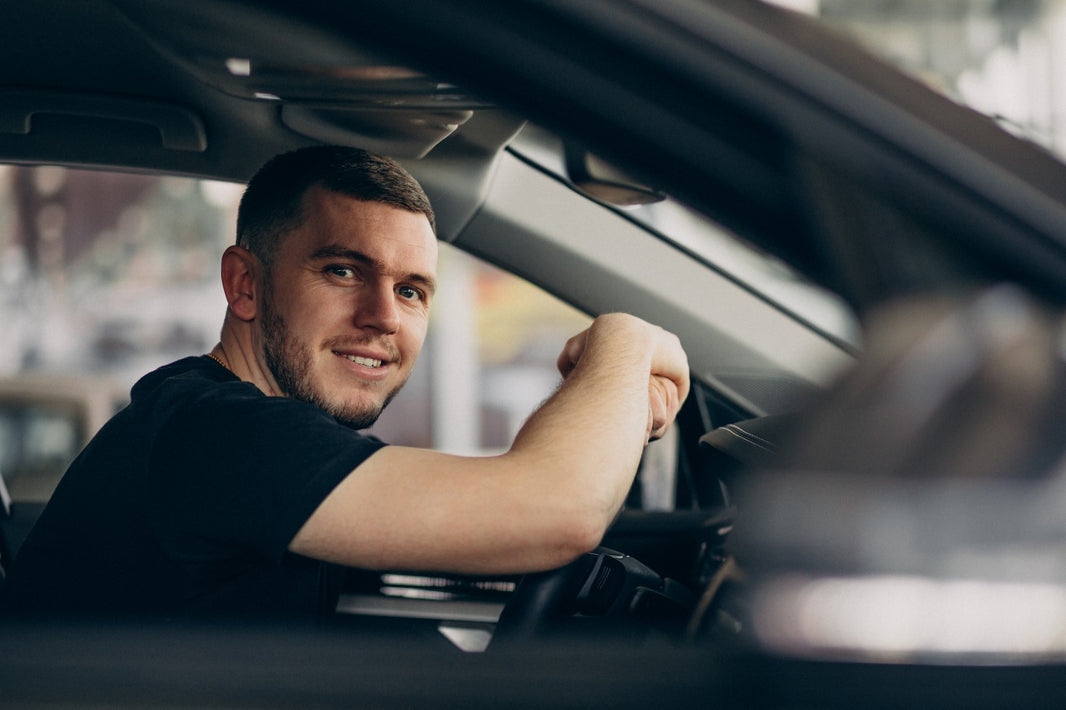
x,y
186,502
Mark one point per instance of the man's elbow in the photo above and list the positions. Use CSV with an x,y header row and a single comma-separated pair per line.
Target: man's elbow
x,y
576,534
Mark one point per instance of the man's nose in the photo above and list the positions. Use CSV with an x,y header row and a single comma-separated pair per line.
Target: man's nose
x,y
379,310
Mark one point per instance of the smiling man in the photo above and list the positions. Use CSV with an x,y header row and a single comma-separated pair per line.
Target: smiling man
x,y
240,482
344,306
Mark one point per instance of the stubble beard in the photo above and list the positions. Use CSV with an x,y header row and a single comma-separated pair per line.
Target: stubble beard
x,y
290,362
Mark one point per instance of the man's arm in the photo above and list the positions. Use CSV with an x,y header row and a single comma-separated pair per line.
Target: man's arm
x,y
548,499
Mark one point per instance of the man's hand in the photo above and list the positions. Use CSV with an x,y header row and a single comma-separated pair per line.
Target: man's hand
x,y
668,378
664,401
573,349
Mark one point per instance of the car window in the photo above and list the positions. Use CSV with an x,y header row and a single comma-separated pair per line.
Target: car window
x,y
108,275
754,269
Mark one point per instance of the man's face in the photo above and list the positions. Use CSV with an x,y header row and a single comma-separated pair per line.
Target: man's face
x,y
345,312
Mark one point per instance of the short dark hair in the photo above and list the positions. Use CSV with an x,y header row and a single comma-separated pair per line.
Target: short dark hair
x,y
272,204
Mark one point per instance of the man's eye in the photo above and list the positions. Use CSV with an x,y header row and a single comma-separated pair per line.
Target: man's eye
x,y
409,293
344,272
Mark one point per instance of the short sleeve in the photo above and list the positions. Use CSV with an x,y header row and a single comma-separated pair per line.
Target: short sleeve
x,y
233,468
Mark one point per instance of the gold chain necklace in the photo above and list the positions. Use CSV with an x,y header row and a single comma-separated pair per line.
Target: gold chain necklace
x,y
215,358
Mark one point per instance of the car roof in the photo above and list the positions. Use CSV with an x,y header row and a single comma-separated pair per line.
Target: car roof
x,y
791,137
213,90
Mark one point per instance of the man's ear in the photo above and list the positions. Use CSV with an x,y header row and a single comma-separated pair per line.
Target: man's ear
x,y
240,271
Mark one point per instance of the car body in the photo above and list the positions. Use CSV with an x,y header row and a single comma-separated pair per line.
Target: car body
x,y
837,188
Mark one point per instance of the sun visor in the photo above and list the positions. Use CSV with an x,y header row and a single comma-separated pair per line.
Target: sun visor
x,y
397,132
325,86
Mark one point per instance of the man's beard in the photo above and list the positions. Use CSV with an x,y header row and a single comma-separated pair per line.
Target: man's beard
x,y
290,362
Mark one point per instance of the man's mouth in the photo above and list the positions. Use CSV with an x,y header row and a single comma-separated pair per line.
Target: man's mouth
x,y
364,361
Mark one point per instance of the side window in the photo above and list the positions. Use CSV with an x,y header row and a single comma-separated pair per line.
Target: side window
x,y
106,276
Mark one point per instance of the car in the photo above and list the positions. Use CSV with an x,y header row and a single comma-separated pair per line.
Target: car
x,y
859,503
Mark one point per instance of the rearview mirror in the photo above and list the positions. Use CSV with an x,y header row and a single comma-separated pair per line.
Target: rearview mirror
x,y
602,181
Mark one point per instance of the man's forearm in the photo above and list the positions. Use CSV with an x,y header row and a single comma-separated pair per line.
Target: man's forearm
x,y
547,500
588,437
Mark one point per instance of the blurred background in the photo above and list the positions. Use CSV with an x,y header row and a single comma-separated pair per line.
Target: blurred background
x,y
104,276
1005,58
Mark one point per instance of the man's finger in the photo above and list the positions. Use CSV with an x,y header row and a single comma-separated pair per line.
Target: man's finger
x,y
571,354
663,405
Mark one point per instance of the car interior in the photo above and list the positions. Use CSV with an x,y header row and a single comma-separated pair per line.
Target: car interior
x,y
728,170
176,89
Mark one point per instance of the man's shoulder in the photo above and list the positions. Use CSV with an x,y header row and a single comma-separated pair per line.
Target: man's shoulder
x,y
186,391
194,372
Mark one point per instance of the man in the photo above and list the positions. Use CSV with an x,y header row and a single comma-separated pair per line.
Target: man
x,y
239,481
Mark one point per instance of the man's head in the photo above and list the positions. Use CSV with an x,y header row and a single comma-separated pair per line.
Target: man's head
x,y
273,202
343,256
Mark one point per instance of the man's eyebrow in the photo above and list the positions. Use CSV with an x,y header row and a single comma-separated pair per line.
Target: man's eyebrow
x,y
333,251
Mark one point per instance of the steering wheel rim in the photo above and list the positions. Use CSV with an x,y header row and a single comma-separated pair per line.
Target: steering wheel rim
x,y
541,600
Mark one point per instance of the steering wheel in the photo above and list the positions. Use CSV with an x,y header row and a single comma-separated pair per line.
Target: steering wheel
x,y
601,583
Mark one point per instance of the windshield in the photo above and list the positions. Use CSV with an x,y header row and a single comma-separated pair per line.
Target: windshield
x,y
757,271
1004,59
